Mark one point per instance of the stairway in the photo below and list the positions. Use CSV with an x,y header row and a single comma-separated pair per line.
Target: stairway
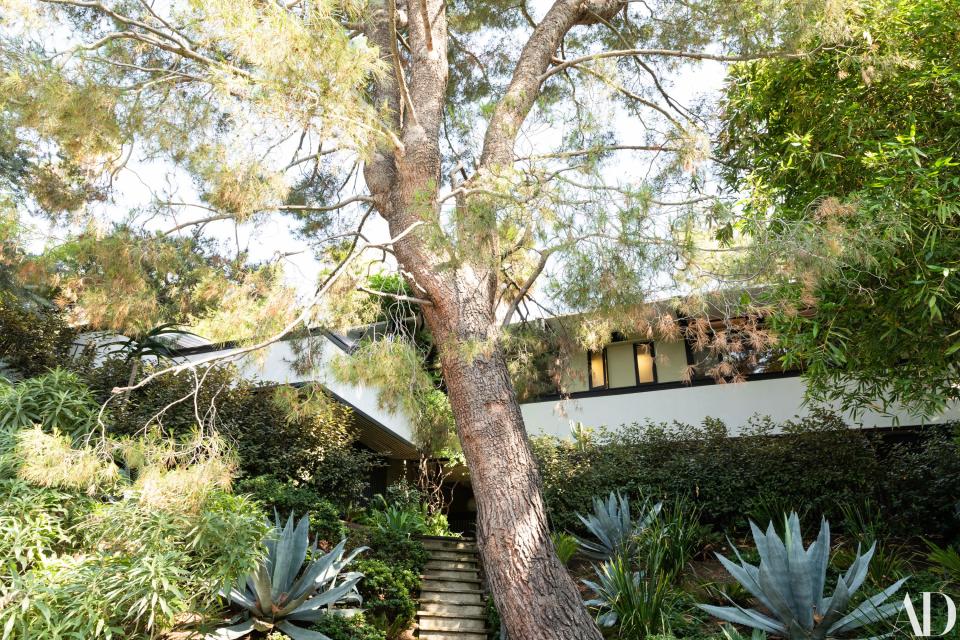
x,y
452,602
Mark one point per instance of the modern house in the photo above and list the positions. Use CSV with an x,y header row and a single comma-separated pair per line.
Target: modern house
x,y
629,380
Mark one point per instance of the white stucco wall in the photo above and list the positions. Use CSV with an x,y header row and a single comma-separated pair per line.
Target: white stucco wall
x,y
274,365
780,398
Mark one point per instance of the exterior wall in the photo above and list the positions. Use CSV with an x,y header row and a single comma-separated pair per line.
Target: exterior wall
x,y
274,364
780,398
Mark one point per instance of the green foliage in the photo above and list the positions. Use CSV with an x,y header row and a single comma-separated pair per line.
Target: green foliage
x,y
35,524
286,498
789,583
337,627
131,571
35,337
848,159
294,582
919,486
399,551
675,536
815,461
396,520
388,595
616,532
638,603
116,538
398,369
565,545
946,560
309,440
57,400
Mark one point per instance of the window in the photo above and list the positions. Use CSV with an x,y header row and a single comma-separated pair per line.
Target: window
x,y
730,353
598,369
643,358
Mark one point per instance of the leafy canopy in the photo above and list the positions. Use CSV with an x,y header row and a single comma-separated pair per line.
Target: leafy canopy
x,y
854,149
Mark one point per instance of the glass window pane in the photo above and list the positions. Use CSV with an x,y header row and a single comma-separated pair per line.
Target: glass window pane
x,y
644,355
598,374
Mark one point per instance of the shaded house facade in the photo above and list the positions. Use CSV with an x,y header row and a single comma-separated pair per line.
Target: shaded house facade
x,y
631,379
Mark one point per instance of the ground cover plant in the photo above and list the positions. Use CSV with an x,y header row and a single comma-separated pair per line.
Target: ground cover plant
x,y
90,552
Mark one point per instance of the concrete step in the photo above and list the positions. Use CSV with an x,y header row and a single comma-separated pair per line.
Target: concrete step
x,y
468,598
451,574
454,556
446,565
450,609
429,582
434,622
452,635
449,544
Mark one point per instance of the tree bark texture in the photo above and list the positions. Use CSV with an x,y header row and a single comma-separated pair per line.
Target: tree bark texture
x,y
535,595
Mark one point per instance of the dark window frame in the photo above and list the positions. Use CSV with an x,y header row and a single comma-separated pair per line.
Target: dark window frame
x,y
636,366
606,373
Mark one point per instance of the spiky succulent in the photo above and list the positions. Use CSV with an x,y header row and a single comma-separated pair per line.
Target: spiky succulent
x,y
789,583
612,526
285,589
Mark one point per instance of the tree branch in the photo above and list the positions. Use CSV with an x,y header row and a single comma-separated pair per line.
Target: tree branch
x,y
301,318
395,296
670,53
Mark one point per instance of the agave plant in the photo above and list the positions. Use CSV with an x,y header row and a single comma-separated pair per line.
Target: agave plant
x,y
611,524
285,589
789,583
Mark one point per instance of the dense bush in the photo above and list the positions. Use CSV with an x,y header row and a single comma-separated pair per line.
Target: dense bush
x,y
919,485
388,595
302,436
399,551
135,572
816,464
57,399
34,339
286,498
355,628
118,538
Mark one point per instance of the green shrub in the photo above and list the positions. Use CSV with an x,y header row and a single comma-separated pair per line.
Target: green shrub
x,y
675,536
286,498
34,338
637,603
403,494
388,595
35,523
355,628
565,545
918,487
94,551
310,445
816,463
57,400
397,550
134,570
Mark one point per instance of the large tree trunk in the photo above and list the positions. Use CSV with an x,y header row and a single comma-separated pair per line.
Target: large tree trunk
x,y
535,595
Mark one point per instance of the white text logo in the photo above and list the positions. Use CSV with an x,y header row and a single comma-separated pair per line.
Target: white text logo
x,y
923,630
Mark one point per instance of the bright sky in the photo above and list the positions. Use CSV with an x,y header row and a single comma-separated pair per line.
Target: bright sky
x,y
273,236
